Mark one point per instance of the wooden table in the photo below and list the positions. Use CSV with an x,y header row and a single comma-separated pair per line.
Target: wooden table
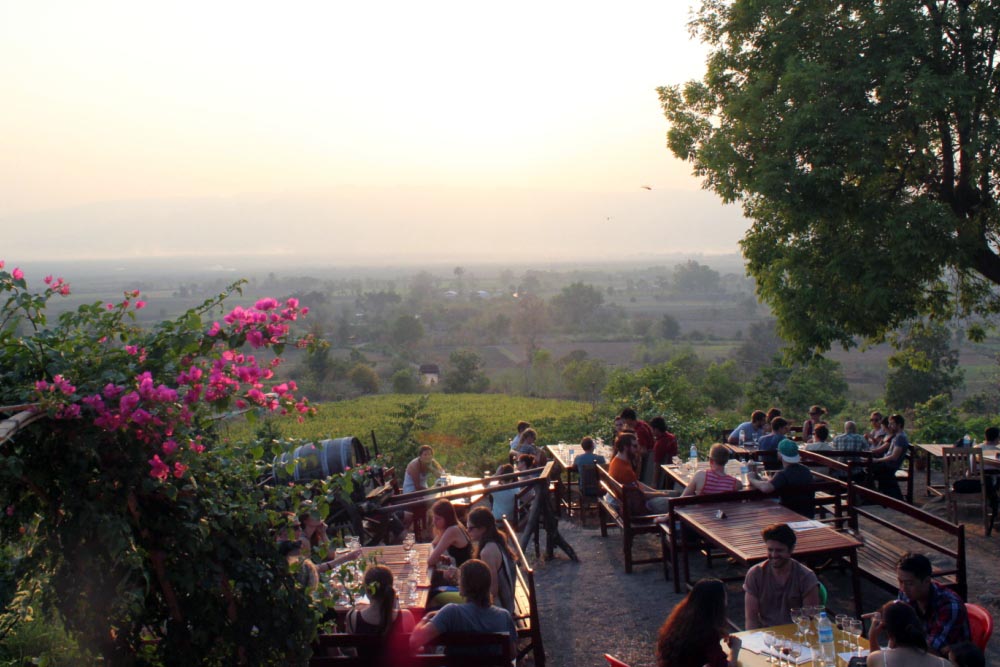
x,y
681,475
738,534
560,453
394,557
750,659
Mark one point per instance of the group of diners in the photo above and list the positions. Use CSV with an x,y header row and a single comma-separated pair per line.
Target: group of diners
x,y
926,626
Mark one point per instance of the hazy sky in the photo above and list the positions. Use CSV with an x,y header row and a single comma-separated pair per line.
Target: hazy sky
x,y
364,130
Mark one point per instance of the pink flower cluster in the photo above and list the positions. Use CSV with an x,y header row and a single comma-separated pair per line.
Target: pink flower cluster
x,y
58,285
262,327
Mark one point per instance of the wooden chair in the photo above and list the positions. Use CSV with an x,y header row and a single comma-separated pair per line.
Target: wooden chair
x,y
527,619
965,481
590,489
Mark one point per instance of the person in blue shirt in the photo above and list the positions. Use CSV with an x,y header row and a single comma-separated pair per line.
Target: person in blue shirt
x,y
588,455
753,430
769,443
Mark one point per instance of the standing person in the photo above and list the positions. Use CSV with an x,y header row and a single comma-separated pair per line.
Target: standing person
x,y
889,456
644,436
493,549
664,442
752,430
907,643
419,470
691,635
780,583
621,470
816,415
788,481
516,440
477,614
714,479
940,610
380,616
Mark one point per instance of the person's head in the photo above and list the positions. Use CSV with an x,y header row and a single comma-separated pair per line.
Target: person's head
x,y
625,443
588,444
896,423
992,433
619,424
779,425
474,581
658,425
525,461
528,436
694,625
483,529
885,422
505,469
522,425
816,412
378,587
425,454
966,654
788,451
758,418
771,414
718,454
780,542
903,626
850,427
822,433
628,416
443,515
913,572
876,419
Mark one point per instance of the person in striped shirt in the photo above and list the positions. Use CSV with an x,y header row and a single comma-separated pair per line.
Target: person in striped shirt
x,y
713,479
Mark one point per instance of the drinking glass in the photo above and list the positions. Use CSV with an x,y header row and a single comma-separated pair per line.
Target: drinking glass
x,y
841,620
813,612
855,627
801,622
795,651
786,649
769,640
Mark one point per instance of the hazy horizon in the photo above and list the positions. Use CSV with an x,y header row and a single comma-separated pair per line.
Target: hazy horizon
x,y
372,133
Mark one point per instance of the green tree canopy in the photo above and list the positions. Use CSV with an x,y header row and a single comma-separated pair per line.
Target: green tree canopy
x,y
924,366
465,374
576,303
863,140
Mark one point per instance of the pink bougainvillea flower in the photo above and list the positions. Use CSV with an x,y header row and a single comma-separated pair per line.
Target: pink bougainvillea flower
x,y
41,385
1,263
139,305
71,411
17,273
170,447
64,289
47,280
179,469
10,508
196,447
158,469
109,306
266,304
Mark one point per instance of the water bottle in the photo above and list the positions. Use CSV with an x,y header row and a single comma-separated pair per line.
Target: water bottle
x,y
745,472
967,441
693,457
743,437
827,649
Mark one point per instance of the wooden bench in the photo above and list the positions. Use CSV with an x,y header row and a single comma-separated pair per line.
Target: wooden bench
x,y
399,644
618,514
862,471
878,556
526,616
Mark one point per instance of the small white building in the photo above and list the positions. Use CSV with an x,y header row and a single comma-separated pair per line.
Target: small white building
x,y
430,374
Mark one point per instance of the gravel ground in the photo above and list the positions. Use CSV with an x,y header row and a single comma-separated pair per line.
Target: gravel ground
x,y
592,607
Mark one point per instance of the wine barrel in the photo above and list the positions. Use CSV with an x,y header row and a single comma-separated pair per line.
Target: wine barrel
x,y
318,461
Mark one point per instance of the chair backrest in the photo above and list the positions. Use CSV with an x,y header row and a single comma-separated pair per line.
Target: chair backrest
x,y
589,486
980,624
957,463
613,661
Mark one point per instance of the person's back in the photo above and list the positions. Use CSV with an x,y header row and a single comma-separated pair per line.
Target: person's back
x,y
719,483
503,500
788,482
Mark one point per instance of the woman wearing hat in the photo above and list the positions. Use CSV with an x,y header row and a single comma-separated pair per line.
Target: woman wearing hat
x,y
817,416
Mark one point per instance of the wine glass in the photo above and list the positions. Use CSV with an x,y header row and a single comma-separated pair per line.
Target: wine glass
x,y
795,652
786,648
841,621
855,627
769,640
801,621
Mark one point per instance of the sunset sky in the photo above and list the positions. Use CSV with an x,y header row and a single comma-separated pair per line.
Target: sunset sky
x,y
369,130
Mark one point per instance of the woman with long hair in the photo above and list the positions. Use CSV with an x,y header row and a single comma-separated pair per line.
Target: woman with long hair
x,y
381,613
907,640
450,537
690,635
492,548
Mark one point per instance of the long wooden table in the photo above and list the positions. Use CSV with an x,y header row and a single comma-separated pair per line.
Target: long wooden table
x,y
561,454
749,658
737,533
682,475
932,451
394,557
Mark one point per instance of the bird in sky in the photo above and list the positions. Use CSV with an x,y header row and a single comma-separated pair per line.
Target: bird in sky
x,y
645,187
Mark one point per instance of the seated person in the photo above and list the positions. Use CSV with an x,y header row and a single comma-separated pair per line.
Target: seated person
x,y
477,614
503,500
888,456
771,414
768,445
788,481
664,442
941,612
516,440
714,479
419,470
308,571
380,616
621,470
693,632
821,439
527,446
850,440
451,540
588,456
816,417
779,584
879,430
907,643
966,654
752,430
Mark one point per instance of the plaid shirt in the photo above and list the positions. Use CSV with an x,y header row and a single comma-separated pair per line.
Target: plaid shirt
x,y
945,621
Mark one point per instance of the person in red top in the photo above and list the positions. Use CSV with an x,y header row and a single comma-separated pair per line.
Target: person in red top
x,y
713,479
665,443
642,430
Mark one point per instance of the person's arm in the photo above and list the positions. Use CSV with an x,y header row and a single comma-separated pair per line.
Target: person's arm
x,y
892,456
413,472
734,643
811,597
405,620
759,484
424,633
448,538
874,632
948,615
694,486
328,565
751,611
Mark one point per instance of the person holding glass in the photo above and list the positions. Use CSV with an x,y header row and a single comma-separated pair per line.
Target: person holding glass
x,y
690,637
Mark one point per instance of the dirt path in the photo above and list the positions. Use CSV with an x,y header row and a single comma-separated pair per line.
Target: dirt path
x,y
593,607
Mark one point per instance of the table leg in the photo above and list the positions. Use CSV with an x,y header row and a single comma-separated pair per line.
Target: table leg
x,y
856,584
927,467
